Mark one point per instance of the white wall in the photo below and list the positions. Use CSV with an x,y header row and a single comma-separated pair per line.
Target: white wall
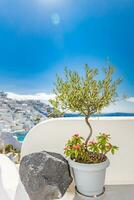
x,y
51,135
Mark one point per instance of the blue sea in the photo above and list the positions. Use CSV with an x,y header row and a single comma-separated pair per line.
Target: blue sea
x,y
21,135
116,114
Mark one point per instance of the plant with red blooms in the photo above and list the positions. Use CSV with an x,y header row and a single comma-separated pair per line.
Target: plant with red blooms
x,y
97,150
75,148
86,95
102,145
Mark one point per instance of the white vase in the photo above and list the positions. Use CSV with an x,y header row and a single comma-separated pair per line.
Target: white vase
x,y
89,178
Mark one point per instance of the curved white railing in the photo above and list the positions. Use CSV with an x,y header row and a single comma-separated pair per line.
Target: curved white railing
x,y
51,135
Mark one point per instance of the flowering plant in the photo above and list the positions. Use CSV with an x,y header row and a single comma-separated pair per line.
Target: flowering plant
x,y
93,152
86,95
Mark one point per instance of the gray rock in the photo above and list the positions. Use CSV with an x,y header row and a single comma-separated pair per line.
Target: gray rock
x,y
45,175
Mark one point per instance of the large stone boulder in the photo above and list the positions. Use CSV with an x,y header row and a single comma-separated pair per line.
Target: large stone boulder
x,y
45,175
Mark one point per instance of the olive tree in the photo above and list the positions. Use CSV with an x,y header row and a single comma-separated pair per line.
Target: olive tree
x,y
55,112
85,94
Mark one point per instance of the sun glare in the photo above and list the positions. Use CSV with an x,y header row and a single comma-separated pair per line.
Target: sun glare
x,y
55,18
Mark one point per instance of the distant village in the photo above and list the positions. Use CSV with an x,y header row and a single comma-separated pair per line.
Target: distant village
x,y
18,116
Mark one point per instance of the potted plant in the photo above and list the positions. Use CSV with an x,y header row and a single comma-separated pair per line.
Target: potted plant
x,y
87,95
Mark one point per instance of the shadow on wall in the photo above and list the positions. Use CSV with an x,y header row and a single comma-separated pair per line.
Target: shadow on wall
x,y
21,193
3,193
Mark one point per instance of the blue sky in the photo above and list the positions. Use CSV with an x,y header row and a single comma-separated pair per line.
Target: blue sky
x,y
39,38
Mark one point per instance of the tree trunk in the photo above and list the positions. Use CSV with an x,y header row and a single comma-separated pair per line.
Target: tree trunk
x,y
90,128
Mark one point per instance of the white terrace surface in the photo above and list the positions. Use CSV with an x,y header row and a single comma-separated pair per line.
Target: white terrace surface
x,y
51,135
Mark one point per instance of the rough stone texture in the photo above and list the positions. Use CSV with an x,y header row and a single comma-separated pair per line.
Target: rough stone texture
x,y
45,175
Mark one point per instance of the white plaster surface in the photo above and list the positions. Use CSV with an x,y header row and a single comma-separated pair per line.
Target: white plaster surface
x,y
51,135
10,186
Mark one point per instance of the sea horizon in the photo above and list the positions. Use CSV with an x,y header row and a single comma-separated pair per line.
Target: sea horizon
x,y
113,114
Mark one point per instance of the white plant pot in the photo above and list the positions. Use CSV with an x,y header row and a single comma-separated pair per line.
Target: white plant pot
x,y
89,178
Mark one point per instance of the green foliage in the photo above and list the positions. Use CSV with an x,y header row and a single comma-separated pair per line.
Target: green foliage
x,y
14,152
102,145
37,120
55,112
8,148
86,95
76,149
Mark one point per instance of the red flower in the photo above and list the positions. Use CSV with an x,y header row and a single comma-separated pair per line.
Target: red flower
x,y
77,147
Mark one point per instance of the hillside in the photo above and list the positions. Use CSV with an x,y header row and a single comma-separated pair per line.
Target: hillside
x,y
20,115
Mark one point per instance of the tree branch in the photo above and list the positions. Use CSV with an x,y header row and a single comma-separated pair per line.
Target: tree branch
x,y
90,128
